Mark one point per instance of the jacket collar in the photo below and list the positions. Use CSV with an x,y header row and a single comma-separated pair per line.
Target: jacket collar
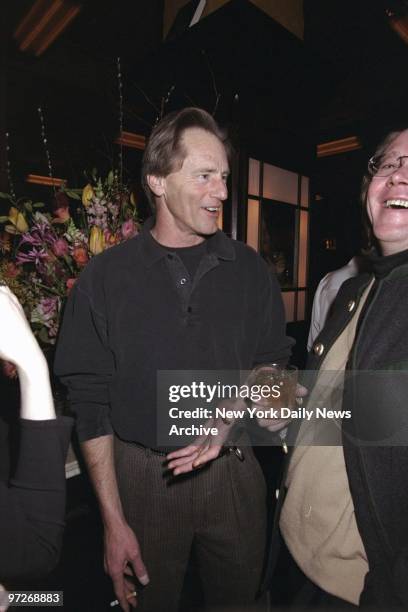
x,y
384,265
218,245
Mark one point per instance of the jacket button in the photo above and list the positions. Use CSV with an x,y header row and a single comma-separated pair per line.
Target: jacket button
x,y
318,349
351,305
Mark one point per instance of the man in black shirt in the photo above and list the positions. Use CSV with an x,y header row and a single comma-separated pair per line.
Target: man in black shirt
x,y
179,296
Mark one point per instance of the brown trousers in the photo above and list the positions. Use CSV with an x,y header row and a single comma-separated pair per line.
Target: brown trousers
x,y
217,513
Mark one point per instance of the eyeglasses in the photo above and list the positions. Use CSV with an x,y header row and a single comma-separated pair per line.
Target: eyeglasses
x,y
385,166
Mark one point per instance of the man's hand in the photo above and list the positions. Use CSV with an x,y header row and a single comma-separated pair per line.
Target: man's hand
x,y
193,456
122,550
204,448
123,558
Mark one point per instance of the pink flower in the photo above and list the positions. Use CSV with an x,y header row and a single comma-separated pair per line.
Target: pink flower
x,y
60,208
34,256
46,313
70,283
129,229
111,238
9,369
10,270
61,215
80,255
48,306
60,247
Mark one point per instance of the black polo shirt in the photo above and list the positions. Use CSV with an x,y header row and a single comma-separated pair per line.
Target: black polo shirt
x,y
135,310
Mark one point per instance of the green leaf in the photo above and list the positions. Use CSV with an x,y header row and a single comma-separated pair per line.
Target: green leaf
x,y
38,205
73,194
28,206
6,196
4,219
110,178
43,335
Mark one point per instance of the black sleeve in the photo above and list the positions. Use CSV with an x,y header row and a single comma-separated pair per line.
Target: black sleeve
x,y
274,346
83,359
32,507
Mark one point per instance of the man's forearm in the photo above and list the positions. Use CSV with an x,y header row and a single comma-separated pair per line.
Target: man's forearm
x,y
98,454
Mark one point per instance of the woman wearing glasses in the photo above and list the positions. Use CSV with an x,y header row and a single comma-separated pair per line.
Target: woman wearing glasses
x,y
342,513
32,505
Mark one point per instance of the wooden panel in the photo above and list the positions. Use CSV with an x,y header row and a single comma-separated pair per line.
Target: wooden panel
x,y
303,240
280,184
253,177
304,192
253,224
289,303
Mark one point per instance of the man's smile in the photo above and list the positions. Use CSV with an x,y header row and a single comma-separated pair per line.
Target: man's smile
x,y
212,209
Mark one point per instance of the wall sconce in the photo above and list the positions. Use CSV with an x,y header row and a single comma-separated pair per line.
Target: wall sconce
x,y
342,145
131,140
43,23
38,179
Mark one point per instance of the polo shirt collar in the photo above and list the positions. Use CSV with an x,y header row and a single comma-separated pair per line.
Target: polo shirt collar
x,y
219,245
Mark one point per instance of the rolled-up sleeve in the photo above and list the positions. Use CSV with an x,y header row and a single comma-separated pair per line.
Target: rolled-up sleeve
x,y
84,361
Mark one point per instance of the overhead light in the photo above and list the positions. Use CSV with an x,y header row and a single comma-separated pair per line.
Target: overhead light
x,y
38,179
134,141
342,145
43,23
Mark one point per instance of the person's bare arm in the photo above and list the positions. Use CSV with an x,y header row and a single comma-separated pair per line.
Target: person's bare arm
x,y
19,346
122,551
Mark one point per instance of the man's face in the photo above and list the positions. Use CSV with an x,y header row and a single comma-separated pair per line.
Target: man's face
x,y
387,201
192,196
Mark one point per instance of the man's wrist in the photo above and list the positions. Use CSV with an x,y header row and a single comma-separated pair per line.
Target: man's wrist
x,y
113,520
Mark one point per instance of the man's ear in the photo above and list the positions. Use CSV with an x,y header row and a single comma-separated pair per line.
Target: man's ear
x,y
156,184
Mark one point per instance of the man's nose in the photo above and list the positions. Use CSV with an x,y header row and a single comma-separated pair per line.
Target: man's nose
x,y
220,190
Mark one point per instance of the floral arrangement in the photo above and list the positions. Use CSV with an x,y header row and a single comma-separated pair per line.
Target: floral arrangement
x,y
42,254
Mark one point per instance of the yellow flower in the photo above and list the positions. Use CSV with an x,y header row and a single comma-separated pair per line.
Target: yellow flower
x,y
96,240
87,195
18,220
